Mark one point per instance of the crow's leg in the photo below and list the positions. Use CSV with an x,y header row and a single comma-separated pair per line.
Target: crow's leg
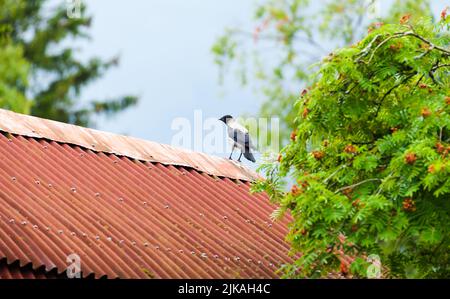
x,y
239,160
231,154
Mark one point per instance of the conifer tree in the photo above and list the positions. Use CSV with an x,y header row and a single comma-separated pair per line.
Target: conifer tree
x,y
39,71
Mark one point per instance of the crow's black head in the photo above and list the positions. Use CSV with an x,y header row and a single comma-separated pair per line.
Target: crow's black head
x,y
226,118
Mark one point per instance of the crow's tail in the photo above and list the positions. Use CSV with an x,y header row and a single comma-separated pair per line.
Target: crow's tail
x,y
249,156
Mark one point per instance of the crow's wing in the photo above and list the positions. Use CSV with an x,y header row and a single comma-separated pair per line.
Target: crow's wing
x,y
242,138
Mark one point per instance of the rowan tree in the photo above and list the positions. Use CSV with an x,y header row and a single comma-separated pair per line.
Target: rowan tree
x,y
370,157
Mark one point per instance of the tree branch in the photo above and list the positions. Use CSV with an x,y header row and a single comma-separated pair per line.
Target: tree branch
x,y
400,35
390,91
357,184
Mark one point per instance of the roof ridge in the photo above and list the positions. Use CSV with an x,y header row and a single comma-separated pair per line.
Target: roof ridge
x,y
132,147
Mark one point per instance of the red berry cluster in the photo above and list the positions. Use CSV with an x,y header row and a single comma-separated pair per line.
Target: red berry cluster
x,y
355,203
396,46
409,205
348,192
444,13
410,158
305,112
343,268
350,149
394,129
293,135
318,155
425,112
405,19
304,92
441,149
295,190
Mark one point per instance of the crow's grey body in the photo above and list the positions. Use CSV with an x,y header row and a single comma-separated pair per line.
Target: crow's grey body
x,y
239,138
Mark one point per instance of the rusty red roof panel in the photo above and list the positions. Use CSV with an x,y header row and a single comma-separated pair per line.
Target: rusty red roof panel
x,y
14,271
144,150
127,217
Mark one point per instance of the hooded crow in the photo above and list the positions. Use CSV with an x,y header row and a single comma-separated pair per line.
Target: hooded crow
x,y
239,138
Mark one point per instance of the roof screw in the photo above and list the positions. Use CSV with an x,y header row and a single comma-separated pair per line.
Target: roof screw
x,y
47,228
259,262
13,178
97,194
247,220
35,226
50,185
23,223
73,189
97,238
81,154
270,265
115,161
83,234
203,255
45,147
166,206
109,239
9,140
37,182
145,203
72,233
168,249
60,232
225,217
11,220
93,145
157,247
120,199
133,243
249,260
33,131
270,224
192,252
180,251
201,214
237,258
121,242
216,256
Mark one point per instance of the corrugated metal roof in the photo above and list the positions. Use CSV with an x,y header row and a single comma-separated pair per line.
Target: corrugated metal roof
x,y
140,149
14,271
128,217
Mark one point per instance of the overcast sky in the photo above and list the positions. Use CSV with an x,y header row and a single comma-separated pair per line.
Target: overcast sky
x,y
165,58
